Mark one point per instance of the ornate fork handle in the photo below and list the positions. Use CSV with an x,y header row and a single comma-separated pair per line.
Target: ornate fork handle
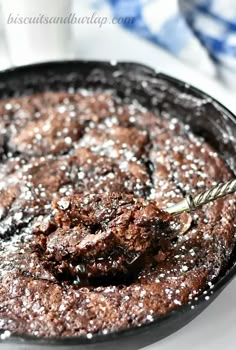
x,y
193,202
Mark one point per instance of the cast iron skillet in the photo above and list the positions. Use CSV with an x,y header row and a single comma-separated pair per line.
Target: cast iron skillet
x,y
163,95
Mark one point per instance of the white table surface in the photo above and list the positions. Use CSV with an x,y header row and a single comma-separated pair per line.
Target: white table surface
x,y
214,328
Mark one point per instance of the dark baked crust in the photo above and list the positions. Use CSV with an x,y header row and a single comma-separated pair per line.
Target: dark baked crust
x,y
107,168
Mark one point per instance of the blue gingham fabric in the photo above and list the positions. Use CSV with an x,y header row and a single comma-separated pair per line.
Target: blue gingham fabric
x,y
202,32
214,24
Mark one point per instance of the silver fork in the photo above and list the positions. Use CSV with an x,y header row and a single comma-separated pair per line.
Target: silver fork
x,y
190,203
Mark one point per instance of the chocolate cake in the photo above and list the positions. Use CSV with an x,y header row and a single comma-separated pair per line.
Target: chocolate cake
x,y
85,244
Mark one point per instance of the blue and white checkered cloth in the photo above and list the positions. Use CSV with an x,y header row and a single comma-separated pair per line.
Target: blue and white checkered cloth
x,y
200,31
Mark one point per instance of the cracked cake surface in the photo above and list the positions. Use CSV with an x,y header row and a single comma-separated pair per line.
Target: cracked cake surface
x,y
85,246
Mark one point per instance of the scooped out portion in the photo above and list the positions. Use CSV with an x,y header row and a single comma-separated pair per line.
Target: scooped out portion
x,y
102,235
